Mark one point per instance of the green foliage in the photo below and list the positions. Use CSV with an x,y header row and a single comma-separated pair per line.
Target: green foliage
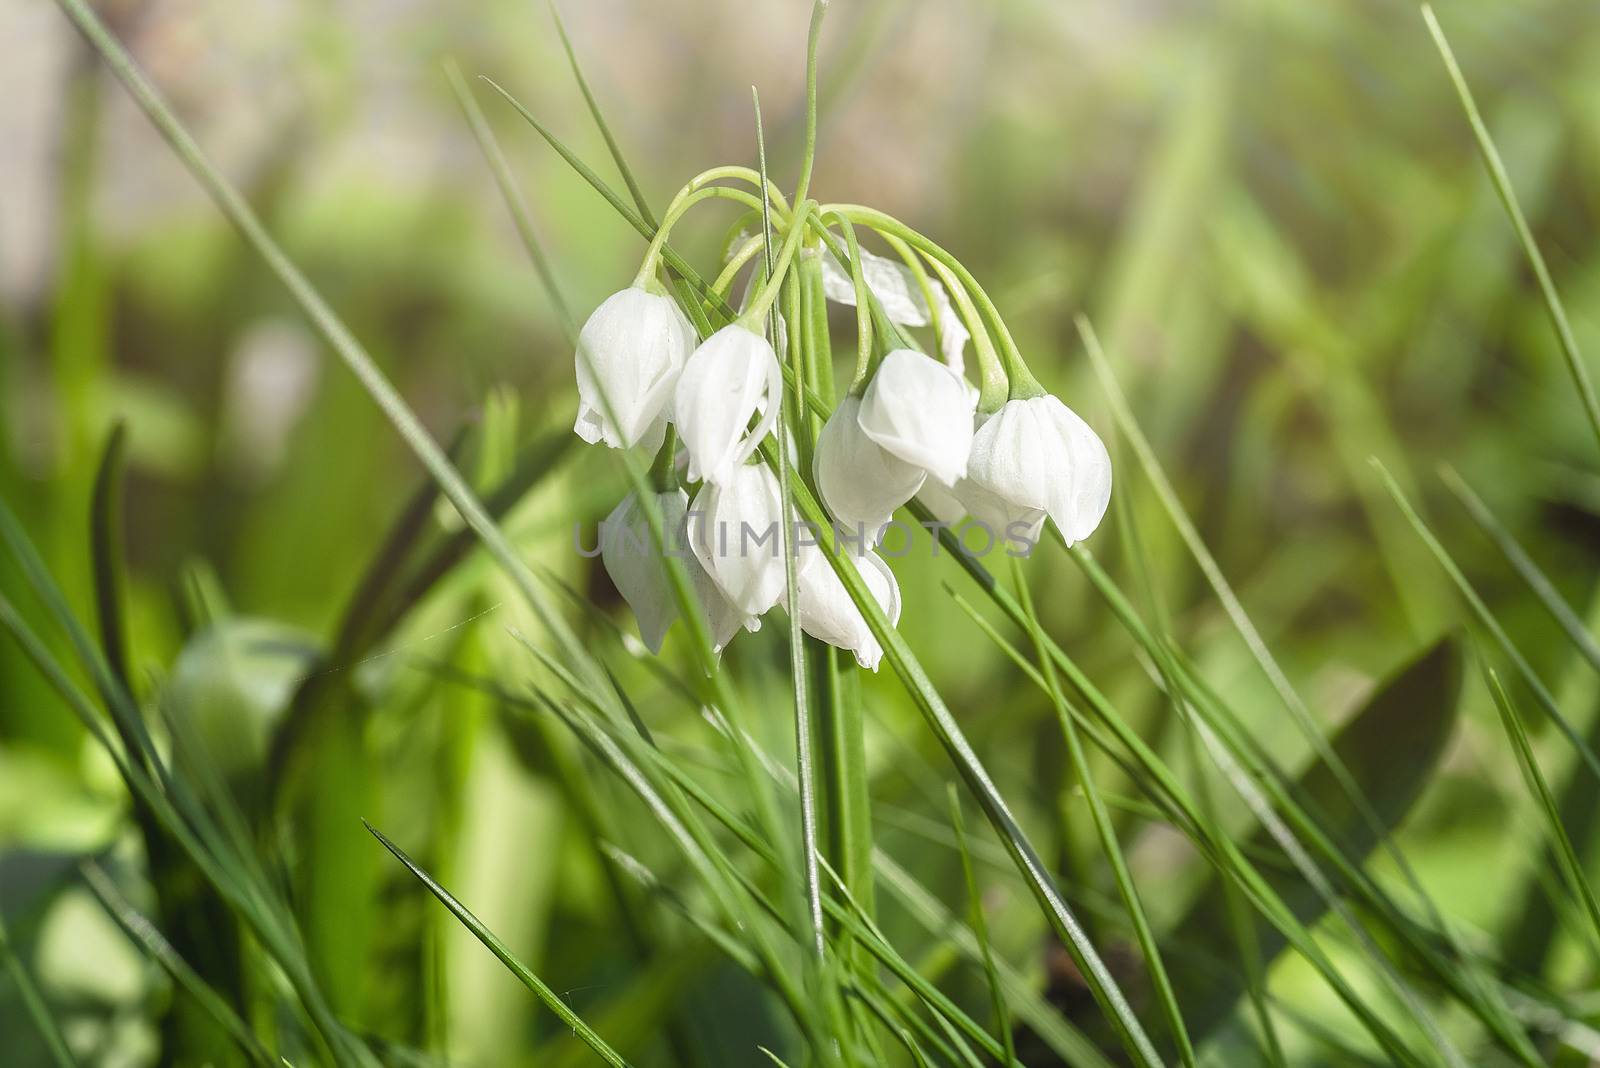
x,y
1239,804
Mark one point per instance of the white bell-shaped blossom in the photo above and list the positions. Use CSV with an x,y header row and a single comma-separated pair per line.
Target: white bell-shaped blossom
x,y
921,411
861,482
732,375
639,570
629,356
736,530
1033,458
828,614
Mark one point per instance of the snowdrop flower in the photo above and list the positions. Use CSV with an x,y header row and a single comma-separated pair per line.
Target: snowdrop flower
x,y
731,376
828,614
629,356
639,571
861,482
737,535
1035,458
921,411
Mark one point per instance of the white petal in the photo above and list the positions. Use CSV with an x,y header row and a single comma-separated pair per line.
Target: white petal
x,y
860,482
639,571
1077,505
828,613
900,293
922,412
733,374
630,353
737,529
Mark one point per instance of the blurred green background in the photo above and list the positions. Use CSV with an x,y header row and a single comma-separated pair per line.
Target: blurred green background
x,y
1274,213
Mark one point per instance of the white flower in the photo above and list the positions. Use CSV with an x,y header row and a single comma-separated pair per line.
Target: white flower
x,y
921,411
737,535
730,377
639,571
629,356
1034,458
828,614
860,482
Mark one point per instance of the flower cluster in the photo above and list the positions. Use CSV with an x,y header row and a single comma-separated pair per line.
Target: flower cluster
x,y
1010,455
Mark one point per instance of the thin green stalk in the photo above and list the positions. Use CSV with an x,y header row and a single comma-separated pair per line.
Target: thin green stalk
x,y
142,932
1103,825
980,928
1571,867
806,770
1490,624
33,1001
1508,198
512,192
543,992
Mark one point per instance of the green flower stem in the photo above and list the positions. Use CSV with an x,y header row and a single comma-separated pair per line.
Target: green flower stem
x,y
770,287
818,9
993,385
858,381
746,253
685,200
1022,382
913,264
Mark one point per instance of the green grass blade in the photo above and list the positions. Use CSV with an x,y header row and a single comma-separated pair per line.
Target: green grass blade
x,y
1571,867
600,120
1104,830
521,217
157,948
554,1003
33,1001
949,734
1508,198
1524,566
1490,624
327,323
980,929
105,545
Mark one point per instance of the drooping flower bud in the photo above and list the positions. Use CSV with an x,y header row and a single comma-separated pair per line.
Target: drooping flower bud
x,y
828,614
731,376
861,482
1036,457
639,571
629,356
737,534
921,411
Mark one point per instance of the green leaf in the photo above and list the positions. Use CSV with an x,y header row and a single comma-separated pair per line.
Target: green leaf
x,y
509,959
1391,747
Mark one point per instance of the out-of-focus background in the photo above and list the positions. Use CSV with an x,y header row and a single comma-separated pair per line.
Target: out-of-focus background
x,y
1274,213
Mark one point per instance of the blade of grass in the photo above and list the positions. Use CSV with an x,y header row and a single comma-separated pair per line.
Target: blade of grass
x,y
34,1003
1571,867
1508,198
515,202
937,715
805,764
549,997
144,934
1524,566
1104,830
1490,624
980,930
